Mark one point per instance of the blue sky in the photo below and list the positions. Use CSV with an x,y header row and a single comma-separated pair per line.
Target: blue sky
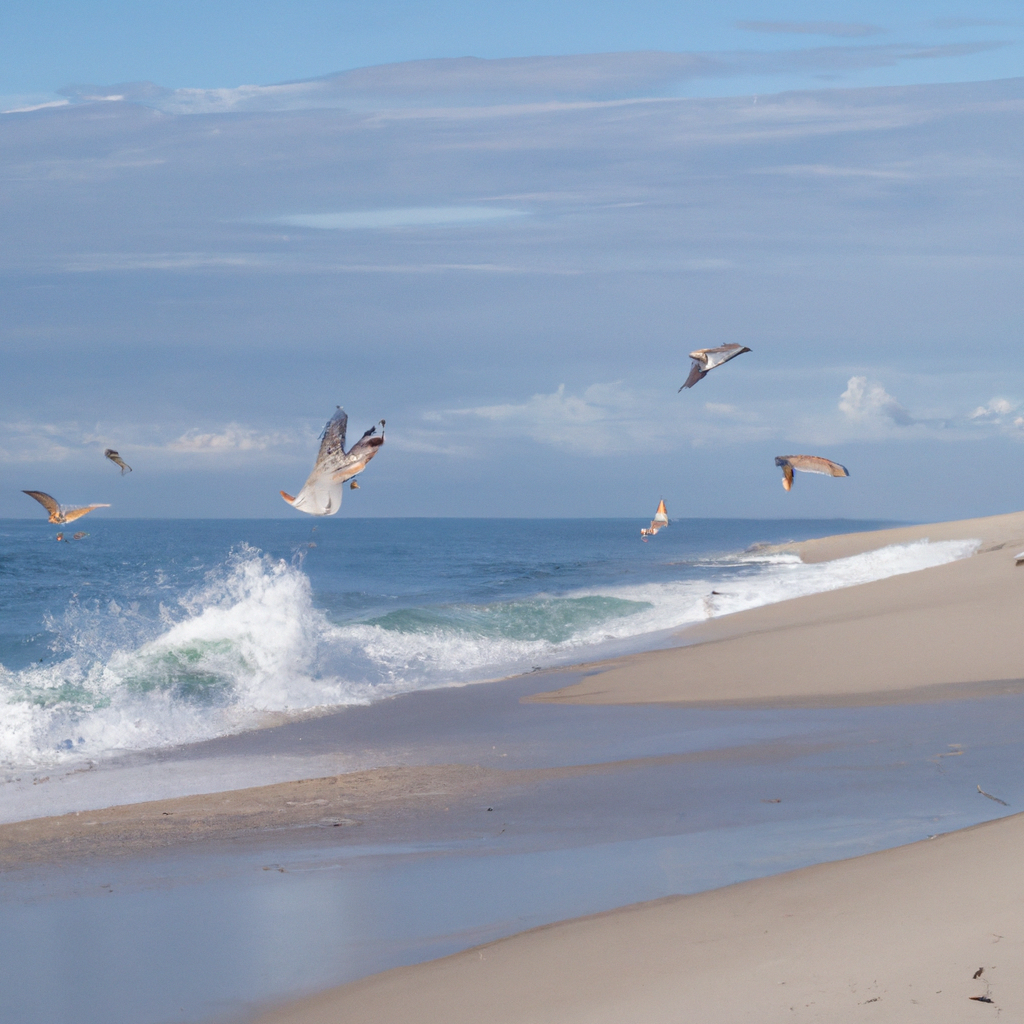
x,y
509,258
46,45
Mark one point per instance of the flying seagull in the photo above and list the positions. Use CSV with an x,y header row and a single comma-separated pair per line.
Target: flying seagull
x,y
807,464
706,359
59,514
321,493
660,519
118,461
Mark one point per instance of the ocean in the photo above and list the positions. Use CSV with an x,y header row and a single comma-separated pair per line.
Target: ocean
x,y
155,633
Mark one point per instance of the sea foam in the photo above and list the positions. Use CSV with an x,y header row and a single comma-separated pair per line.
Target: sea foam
x,y
251,640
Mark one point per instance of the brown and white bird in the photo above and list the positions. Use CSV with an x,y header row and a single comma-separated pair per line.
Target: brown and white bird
x,y
117,461
706,359
60,514
807,464
321,493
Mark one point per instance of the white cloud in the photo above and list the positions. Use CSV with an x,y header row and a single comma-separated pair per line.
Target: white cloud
x,y
865,401
232,438
994,410
31,442
605,418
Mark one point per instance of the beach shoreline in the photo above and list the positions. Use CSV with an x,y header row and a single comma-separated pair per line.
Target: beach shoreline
x,y
912,931
941,632
917,933
655,959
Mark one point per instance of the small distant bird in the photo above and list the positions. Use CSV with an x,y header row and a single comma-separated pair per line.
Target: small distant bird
x,y
60,537
706,359
807,464
117,460
660,519
321,493
60,514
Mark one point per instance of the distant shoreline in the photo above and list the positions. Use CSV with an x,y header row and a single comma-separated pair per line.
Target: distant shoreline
x,y
888,641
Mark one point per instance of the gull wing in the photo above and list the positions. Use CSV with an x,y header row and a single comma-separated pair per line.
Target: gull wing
x,y
71,514
332,443
697,372
359,455
812,464
705,359
46,501
117,460
712,357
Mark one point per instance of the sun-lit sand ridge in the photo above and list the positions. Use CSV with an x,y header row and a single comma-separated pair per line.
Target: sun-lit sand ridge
x,y
896,936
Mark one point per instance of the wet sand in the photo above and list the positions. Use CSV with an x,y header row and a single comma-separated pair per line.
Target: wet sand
x,y
911,934
926,931
945,632
388,803
665,744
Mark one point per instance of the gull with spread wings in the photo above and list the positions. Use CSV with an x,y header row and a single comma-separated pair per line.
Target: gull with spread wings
x,y
807,464
117,461
321,493
706,359
60,514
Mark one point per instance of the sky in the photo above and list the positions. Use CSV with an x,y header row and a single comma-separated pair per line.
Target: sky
x,y
503,230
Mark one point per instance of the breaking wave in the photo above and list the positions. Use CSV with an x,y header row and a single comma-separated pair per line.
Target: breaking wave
x,y
251,640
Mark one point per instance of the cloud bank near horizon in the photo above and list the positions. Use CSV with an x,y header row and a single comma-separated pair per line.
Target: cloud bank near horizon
x,y
207,286
474,81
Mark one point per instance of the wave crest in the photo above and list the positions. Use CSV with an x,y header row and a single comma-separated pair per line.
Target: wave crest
x,y
250,640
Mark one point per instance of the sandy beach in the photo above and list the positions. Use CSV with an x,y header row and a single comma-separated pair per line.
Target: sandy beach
x,y
898,935
942,632
912,934
930,931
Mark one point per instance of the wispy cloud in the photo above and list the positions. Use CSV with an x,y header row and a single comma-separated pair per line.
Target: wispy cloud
x,y
837,29
603,419
954,23
399,217
232,438
431,85
36,106
36,442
